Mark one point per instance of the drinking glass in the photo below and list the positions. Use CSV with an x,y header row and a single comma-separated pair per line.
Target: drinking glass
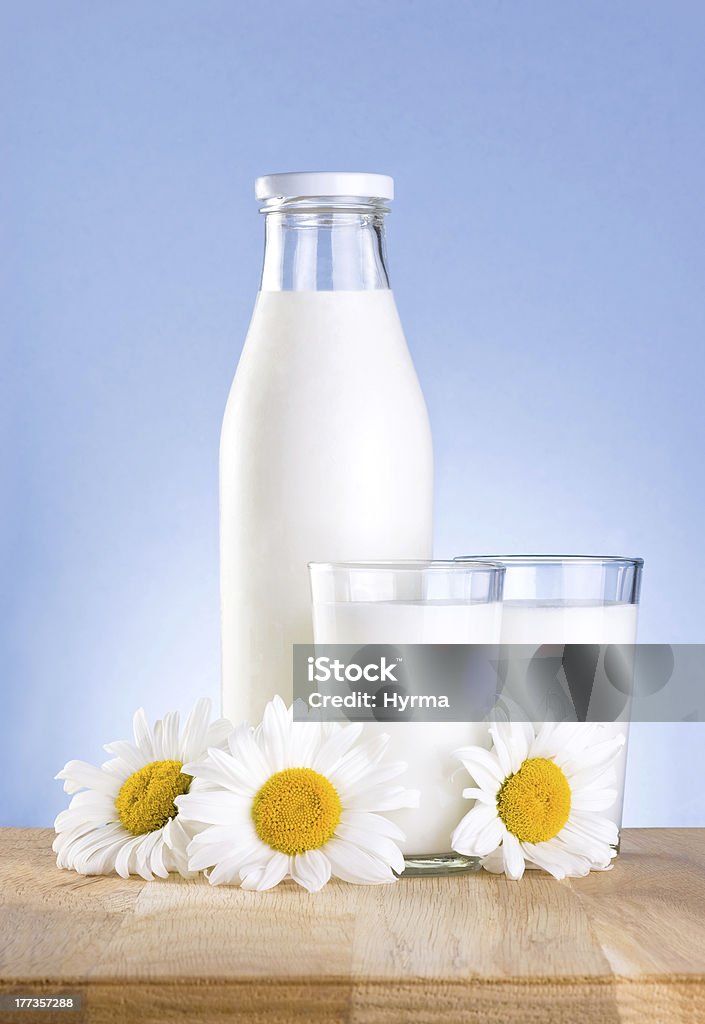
x,y
572,599
416,602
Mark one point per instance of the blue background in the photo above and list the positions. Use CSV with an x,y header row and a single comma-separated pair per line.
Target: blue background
x,y
547,254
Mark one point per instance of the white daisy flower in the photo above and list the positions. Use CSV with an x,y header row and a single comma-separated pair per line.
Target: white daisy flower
x,y
298,799
539,799
124,819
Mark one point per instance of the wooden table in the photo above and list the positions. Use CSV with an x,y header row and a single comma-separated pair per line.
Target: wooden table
x,y
625,945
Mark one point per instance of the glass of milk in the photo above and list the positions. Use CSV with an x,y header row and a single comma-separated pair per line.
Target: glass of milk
x,y
572,599
416,602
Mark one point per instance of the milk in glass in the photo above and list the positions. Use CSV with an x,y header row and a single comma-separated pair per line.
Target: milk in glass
x,y
426,747
575,622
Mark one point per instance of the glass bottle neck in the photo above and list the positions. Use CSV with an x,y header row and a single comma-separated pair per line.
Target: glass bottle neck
x,y
318,244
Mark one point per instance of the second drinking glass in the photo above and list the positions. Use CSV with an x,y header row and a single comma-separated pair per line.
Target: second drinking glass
x,y
573,599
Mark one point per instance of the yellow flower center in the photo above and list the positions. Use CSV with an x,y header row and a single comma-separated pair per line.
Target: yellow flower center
x,y
296,810
146,799
534,803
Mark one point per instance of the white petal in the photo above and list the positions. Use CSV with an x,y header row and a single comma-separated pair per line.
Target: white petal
x,y
501,735
157,741
482,795
157,864
193,741
81,775
597,799
226,858
590,778
383,798
372,823
363,758
229,864
469,827
573,841
63,842
211,808
217,733
273,737
87,808
599,755
143,854
335,747
570,738
225,872
483,766
373,775
494,862
513,857
369,750
90,801
166,737
268,875
67,836
304,743
354,865
93,853
229,835
560,739
174,848
176,839
543,741
226,772
312,870
127,752
100,861
380,846
143,736
594,825
558,862
124,856
489,837
117,769
248,753
512,742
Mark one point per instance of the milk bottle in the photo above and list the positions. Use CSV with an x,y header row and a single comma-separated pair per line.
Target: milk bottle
x,y
325,450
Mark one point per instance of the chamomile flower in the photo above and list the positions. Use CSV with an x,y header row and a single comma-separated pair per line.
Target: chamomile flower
x,y
540,798
124,819
298,799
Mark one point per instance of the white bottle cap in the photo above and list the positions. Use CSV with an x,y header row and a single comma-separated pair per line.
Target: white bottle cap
x,y
324,183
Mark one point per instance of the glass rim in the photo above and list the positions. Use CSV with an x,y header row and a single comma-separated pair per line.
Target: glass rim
x,y
556,560
414,565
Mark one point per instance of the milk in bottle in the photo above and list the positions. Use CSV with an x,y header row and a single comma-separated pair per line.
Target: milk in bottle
x,y
325,450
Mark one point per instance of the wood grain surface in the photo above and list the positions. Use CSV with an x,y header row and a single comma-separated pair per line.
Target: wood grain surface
x,y
624,945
